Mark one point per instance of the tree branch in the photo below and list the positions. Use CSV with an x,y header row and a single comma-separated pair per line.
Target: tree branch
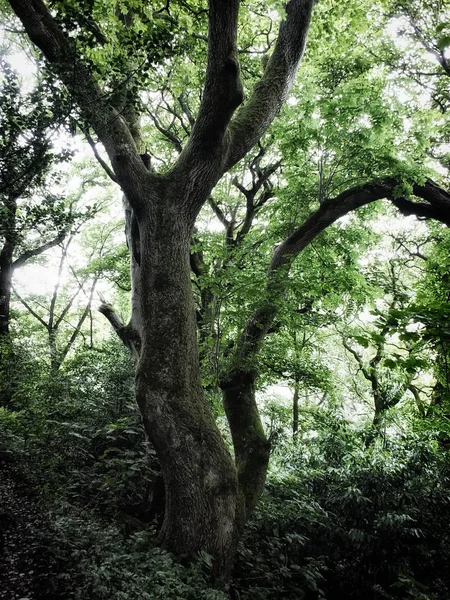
x,y
110,127
206,148
329,211
79,325
37,251
31,310
438,206
358,359
129,336
100,160
270,93
218,212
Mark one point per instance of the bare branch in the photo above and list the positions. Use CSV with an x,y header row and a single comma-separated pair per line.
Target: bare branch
x,y
358,359
79,325
22,259
30,309
187,111
100,160
129,336
173,139
218,212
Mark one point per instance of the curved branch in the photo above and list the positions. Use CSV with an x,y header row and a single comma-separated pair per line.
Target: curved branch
x,y
109,125
358,359
30,309
22,259
438,200
269,94
329,211
100,160
126,334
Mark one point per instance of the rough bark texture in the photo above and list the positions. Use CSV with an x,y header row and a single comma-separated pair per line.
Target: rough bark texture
x,y
199,475
251,447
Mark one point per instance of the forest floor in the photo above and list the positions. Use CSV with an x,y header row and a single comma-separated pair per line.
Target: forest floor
x,y
27,564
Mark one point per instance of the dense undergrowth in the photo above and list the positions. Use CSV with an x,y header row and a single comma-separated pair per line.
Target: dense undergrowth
x,y
337,519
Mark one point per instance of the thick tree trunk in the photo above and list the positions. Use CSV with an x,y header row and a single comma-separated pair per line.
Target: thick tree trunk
x,y
203,508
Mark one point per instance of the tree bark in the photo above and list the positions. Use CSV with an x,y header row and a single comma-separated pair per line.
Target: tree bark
x,y
208,497
251,447
203,506
295,419
6,273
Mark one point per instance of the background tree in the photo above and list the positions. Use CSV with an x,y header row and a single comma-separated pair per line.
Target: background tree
x,y
33,220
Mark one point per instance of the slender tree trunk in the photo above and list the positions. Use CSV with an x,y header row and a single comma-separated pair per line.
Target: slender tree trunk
x,y
251,447
203,508
375,430
295,411
6,381
55,363
6,273
8,232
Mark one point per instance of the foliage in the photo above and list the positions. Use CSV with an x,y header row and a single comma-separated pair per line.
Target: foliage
x,y
338,521
103,564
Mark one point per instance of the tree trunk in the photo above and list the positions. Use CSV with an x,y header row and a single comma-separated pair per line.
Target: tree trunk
x,y
375,430
295,411
8,232
203,508
6,273
251,447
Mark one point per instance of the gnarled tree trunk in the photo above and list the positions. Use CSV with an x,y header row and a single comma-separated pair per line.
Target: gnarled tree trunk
x,y
199,474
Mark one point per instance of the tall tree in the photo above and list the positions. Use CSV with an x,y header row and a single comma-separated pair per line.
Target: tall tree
x,y
209,495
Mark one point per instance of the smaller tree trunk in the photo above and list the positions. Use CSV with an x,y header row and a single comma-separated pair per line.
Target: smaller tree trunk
x,y
251,447
295,411
6,273
6,262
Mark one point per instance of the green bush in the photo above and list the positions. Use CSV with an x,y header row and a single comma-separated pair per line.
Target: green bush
x,y
351,523
104,564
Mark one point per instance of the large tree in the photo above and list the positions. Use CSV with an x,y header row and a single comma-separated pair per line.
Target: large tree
x,y
209,495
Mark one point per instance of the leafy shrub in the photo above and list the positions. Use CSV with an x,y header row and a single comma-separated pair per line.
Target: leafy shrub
x,y
351,523
104,564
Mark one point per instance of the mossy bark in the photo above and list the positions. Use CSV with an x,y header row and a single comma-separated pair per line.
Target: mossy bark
x,y
251,447
203,510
